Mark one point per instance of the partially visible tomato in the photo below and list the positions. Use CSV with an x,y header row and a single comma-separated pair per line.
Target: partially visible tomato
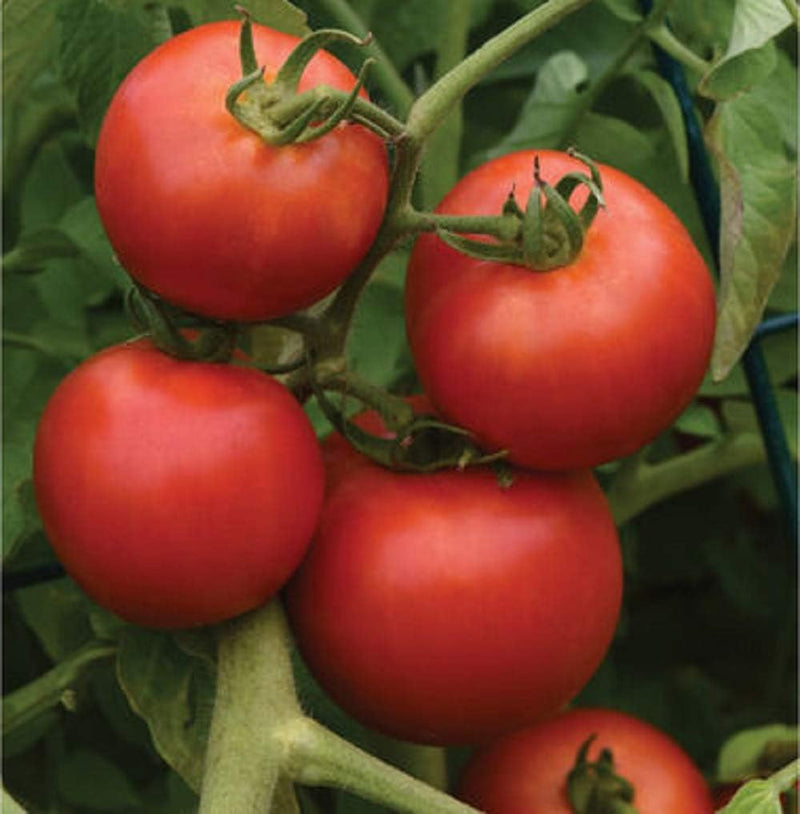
x,y
569,367
443,608
526,772
176,493
205,213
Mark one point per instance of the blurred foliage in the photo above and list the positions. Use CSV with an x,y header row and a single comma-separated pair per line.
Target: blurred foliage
x,y
707,644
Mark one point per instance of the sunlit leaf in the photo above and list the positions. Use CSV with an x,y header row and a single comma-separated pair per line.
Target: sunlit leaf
x,y
742,755
754,797
758,192
751,56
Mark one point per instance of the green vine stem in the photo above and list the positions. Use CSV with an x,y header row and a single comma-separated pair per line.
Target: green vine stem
x,y
427,112
261,741
639,484
794,11
23,705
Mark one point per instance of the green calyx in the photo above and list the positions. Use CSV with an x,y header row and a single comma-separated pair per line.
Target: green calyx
x,y
596,788
178,333
419,443
550,232
275,110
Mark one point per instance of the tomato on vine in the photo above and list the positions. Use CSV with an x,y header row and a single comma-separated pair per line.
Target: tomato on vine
x,y
208,215
575,365
176,493
446,608
530,770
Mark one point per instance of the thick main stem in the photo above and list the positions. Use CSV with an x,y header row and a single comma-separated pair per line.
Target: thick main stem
x,y
255,694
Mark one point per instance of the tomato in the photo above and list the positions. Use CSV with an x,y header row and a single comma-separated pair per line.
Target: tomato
x,y
526,771
176,493
444,608
202,211
569,367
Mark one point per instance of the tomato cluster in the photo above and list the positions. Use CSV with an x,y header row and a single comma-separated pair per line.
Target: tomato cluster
x,y
442,607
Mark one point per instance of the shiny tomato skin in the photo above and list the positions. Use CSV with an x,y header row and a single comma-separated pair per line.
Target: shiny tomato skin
x,y
176,493
570,367
526,771
442,608
205,213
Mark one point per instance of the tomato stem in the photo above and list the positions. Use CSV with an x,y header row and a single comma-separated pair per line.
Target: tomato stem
x,y
319,757
639,484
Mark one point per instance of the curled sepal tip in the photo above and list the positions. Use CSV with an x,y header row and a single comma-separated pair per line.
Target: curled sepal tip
x,y
421,443
595,787
288,77
549,233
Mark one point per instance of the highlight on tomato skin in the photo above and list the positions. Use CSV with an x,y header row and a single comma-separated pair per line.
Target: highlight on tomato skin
x,y
526,771
577,365
444,608
176,493
203,212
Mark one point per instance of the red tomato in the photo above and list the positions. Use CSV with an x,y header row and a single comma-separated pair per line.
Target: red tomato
x,y
205,213
443,608
570,367
176,493
527,770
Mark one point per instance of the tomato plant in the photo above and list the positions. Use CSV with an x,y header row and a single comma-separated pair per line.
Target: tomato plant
x,y
585,363
446,608
528,770
176,493
265,200
207,214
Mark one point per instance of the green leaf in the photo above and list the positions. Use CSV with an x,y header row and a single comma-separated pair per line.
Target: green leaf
x,y
36,247
550,109
57,612
742,755
754,797
700,421
19,506
99,46
751,55
10,805
758,192
174,692
28,29
91,781
377,349
279,14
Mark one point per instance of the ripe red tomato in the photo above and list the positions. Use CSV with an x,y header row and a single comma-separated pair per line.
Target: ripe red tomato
x,y
443,608
527,770
176,493
569,367
205,213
